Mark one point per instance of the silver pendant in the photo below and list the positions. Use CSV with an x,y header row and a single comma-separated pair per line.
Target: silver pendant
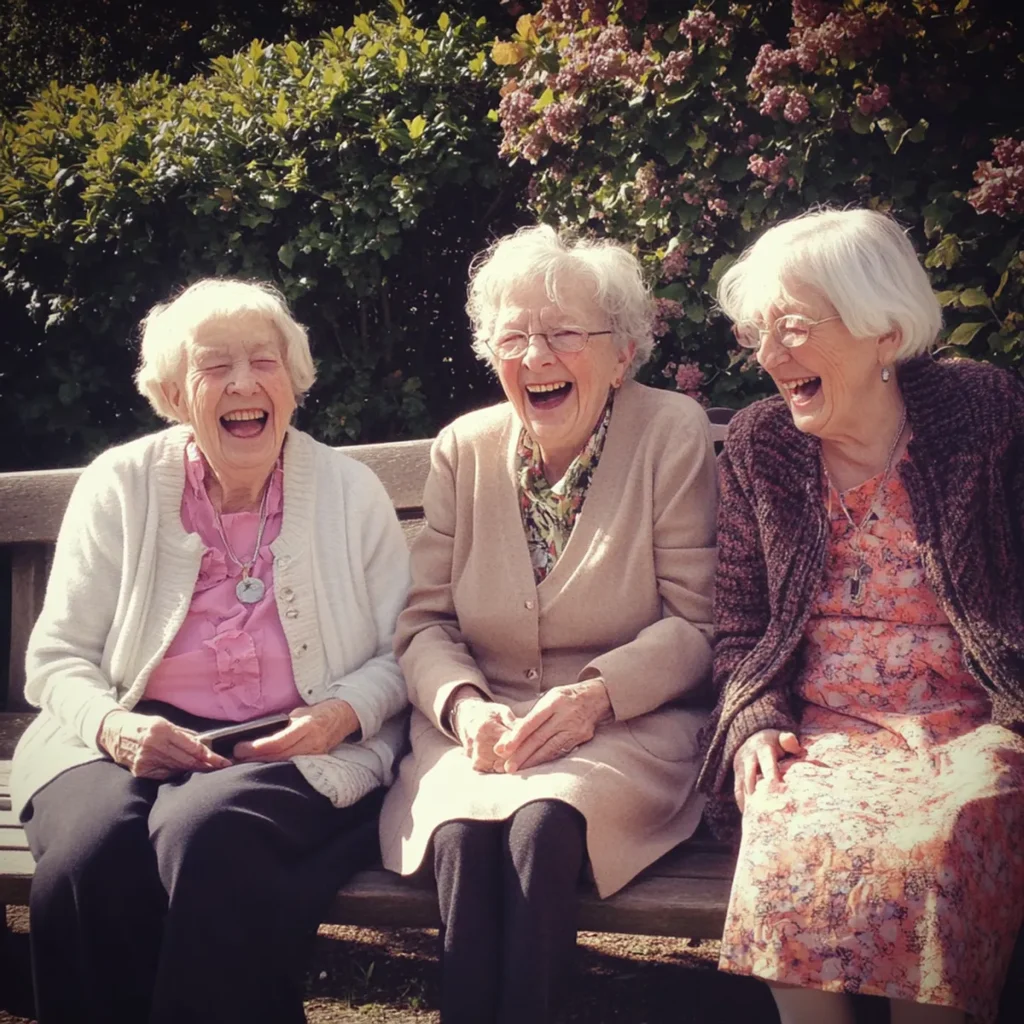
x,y
250,590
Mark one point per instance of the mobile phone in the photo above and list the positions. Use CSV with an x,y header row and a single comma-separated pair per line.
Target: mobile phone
x,y
222,741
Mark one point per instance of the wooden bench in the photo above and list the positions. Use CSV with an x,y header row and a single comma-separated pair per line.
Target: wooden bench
x,y
683,895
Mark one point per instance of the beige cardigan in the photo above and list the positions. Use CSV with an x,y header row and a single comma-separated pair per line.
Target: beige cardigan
x,y
629,601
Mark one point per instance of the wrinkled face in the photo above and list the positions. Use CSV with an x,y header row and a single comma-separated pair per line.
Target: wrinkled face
x,y
237,395
830,380
558,395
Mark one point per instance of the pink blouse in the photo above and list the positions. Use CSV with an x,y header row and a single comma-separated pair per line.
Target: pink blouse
x,y
229,660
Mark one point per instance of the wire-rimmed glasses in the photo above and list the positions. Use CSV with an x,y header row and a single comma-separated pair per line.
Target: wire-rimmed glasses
x,y
791,330
513,344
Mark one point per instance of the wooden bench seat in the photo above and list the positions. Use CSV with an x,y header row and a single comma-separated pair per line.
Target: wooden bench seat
x,y
684,894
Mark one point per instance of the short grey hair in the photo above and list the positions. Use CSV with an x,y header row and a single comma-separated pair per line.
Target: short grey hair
x,y
541,252
860,260
170,327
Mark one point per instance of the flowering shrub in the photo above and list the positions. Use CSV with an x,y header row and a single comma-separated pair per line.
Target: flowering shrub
x,y
686,136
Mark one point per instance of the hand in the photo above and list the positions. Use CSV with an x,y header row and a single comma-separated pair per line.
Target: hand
x,y
150,747
479,724
313,729
761,752
558,723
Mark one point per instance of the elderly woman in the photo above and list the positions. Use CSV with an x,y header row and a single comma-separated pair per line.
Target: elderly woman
x,y
215,572
556,640
869,651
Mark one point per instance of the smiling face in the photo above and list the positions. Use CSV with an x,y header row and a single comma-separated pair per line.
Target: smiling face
x,y
832,381
558,395
237,395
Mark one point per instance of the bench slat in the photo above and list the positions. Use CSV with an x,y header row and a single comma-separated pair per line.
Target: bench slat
x,y
13,838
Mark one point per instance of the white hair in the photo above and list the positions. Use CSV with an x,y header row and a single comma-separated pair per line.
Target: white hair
x,y
170,327
541,253
860,260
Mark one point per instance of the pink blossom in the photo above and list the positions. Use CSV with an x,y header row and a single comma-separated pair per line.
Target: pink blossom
x,y
797,108
689,378
665,310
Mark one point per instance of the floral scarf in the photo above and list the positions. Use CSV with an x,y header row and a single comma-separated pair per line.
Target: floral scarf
x,y
549,510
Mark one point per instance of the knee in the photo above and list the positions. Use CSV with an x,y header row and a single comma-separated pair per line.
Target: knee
x,y
459,842
108,858
547,834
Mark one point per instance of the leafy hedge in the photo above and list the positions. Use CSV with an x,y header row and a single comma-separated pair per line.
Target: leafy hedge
x,y
687,137
358,170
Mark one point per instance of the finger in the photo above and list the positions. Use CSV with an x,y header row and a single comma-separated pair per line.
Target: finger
x,y
791,744
185,751
537,739
737,789
554,749
749,774
766,760
526,727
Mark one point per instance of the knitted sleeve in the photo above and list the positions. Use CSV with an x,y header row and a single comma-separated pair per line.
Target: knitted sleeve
x,y
742,616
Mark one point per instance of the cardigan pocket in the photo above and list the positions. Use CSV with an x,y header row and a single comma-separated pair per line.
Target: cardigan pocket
x,y
670,733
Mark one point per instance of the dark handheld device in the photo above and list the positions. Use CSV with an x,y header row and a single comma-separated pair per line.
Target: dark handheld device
x,y
222,741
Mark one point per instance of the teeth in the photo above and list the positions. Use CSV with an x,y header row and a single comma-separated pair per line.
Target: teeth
x,y
792,385
540,388
244,414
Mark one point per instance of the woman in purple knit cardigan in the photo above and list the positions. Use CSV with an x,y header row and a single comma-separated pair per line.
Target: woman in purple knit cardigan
x,y
869,650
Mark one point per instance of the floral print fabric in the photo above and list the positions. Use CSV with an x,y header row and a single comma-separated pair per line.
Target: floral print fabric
x,y
888,860
549,510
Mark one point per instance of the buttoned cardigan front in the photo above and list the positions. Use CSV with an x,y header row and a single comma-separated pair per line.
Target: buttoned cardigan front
x,y
123,576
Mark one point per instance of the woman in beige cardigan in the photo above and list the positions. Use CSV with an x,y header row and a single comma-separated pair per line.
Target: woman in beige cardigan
x,y
555,643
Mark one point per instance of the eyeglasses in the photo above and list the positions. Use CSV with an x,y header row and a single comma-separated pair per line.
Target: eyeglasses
x,y
791,330
512,344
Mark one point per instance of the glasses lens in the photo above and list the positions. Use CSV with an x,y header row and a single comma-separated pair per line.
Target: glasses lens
x,y
509,344
748,334
569,339
792,330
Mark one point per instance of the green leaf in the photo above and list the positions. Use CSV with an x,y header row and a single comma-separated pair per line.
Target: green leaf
x,y
443,22
860,123
546,98
416,126
674,149
719,267
286,254
965,333
948,298
698,140
971,297
732,168
946,254
402,62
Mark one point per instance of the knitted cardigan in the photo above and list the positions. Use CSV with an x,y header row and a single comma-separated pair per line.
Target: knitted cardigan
x,y
965,478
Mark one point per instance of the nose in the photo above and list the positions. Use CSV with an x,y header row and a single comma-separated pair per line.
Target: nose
x,y
538,352
243,380
772,351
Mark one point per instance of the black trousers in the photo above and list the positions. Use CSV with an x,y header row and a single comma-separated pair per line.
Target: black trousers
x,y
194,899
507,893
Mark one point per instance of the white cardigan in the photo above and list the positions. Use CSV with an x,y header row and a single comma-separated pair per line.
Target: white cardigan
x,y
122,581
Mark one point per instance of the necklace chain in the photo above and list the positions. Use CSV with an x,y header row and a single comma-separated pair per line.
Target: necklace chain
x,y
246,566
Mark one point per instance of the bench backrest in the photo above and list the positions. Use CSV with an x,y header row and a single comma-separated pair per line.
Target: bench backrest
x,y
32,506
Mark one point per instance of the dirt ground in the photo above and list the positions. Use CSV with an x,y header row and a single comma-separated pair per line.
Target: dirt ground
x,y
364,976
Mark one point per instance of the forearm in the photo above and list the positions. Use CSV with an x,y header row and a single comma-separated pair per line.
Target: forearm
x,y
669,660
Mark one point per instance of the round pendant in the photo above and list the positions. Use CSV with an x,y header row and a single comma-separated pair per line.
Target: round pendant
x,y
250,590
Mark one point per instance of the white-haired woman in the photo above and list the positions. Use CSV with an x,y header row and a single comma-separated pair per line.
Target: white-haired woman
x,y
556,641
869,651
216,572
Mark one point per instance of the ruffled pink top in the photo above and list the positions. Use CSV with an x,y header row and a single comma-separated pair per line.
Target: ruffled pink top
x,y
229,660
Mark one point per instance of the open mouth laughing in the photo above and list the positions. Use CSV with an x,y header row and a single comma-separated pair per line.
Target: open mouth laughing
x,y
245,423
548,396
801,390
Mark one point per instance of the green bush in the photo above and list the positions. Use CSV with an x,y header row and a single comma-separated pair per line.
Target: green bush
x,y
686,138
358,171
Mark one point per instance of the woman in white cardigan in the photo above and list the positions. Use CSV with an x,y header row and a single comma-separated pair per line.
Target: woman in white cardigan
x,y
218,571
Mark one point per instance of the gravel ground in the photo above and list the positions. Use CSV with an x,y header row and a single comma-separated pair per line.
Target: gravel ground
x,y
365,976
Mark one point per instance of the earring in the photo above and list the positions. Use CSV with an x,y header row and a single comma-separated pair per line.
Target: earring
x,y
886,374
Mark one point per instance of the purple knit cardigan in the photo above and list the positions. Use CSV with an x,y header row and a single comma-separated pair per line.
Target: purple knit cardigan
x,y
965,479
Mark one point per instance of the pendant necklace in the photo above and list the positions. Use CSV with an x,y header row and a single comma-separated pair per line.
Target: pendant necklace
x,y
249,589
857,575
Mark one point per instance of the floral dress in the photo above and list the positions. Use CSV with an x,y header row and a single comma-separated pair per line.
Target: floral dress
x,y
549,511
889,859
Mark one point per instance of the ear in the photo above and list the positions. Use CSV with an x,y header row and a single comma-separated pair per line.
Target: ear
x,y
888,345
624,360
174,396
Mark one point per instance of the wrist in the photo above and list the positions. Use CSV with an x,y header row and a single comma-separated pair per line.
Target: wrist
x,y
462,696
344,722
602,701
109,728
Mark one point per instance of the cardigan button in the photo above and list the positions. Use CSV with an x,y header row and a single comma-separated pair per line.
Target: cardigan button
x,y
284,561
288,594
528,605
292,613
532,673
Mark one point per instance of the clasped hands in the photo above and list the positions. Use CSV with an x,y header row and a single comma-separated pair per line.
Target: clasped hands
x,y
758,757
151,747
495,740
